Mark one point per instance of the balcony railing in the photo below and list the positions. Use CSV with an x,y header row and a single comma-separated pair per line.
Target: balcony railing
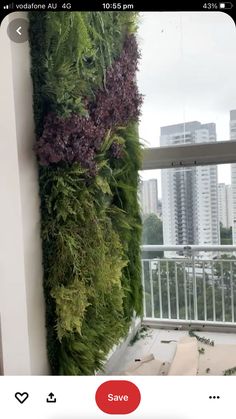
x,y
189,284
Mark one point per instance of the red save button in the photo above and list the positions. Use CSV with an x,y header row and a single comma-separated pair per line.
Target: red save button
x,y
118,397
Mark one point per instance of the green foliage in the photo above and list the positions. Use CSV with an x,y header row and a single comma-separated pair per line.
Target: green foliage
x,y
152,230
71,303
226,235
83,260
128,222
104,326
37,29
91,228
152,234
70,55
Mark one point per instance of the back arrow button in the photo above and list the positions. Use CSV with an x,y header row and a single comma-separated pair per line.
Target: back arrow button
x,y
18,30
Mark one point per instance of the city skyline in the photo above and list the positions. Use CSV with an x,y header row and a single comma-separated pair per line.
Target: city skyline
x,y
233,173
224,170
195,200
200,48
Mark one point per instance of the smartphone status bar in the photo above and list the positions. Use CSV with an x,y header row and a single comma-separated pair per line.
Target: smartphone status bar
x,y
134,5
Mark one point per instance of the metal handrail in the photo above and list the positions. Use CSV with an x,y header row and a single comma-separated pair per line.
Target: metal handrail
x,y
194,247
190,288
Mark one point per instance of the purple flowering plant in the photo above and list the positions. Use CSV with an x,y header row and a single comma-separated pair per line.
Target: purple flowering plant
x,y
78,138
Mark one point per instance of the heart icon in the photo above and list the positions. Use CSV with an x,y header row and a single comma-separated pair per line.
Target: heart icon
x,y
21,397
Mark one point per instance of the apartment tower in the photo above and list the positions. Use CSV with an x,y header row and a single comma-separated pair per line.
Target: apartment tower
x,y
190,194
225,204
233,174
149,196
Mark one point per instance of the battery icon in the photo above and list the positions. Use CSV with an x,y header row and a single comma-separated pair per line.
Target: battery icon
x,y
226,5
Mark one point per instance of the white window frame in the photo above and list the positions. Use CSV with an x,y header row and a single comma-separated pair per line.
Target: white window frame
x,y
201,154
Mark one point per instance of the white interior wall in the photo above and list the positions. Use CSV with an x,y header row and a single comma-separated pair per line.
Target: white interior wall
x,y
21,294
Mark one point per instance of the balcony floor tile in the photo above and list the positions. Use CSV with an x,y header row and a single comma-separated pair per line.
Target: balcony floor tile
x,y
162,344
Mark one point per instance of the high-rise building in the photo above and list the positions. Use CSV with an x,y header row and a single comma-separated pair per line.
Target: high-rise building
x,y
229,205
225,205
232,127
149,196
190,195
159,209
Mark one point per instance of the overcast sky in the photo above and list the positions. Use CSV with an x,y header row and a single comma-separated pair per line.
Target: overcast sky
x,y
187,72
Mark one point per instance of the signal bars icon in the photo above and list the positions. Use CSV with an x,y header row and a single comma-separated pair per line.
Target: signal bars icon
x,y
9,6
